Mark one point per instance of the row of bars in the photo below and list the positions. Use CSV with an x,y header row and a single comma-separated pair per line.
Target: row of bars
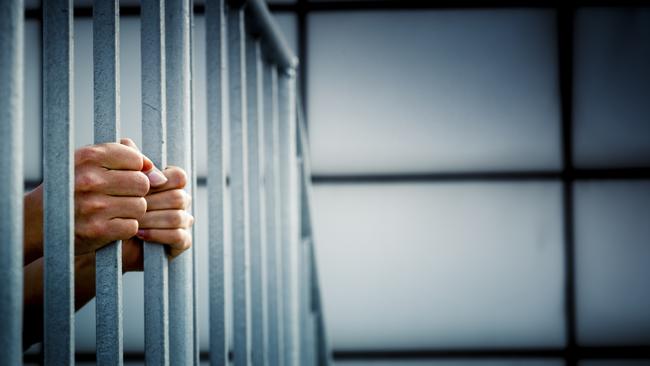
x,y
251,78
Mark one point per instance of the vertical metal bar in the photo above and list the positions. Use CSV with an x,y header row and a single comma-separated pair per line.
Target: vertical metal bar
x,y
193,193
58,172
239,182
256,201
272,206
216,102
177,63
11,181
108,278
289,206
154,146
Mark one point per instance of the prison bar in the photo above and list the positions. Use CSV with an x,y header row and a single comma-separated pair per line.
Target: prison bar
x,y
215,24
251,85
179,147
154,138
108,277
11,185
58,214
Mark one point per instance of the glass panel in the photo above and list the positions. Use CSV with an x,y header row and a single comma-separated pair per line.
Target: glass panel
x,y
612,85
32,134
441,265
612,256
415,91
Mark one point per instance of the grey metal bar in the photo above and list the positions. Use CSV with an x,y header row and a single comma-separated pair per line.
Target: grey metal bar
x,y
307,339
58,170
193,192
177,63
154,146
216,103
257,231
262,23
322,354
11,181
289,206
239,182
108,277
273,213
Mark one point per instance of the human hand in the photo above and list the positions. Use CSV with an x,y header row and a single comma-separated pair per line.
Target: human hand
x,y
166,221
111,181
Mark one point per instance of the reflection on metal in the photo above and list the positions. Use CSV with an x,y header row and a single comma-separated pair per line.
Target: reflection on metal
x,y
58,170
251,82
108,278
11,185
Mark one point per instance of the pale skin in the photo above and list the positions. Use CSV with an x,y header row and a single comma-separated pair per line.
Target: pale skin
x,y
119,195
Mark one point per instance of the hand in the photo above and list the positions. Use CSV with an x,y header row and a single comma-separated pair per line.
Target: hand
x,y
111,181
166,221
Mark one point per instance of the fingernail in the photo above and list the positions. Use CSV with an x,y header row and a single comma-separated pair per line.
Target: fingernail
x,y
156,178
140,233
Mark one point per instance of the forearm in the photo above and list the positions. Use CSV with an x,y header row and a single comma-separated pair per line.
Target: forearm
x,y
33,294
33,227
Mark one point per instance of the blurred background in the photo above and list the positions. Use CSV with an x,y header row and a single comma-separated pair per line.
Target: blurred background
x,y
481,175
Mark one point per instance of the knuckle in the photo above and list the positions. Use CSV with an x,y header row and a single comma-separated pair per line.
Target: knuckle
x,y
176,218
140,183
88,154
95,229
88,182
178,198
178,236
89,205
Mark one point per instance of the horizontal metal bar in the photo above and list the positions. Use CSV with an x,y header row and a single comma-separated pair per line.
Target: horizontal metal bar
x,y
11,185
576,174
592,353
604,352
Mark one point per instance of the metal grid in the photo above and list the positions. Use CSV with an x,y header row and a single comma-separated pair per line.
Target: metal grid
x,y
251,74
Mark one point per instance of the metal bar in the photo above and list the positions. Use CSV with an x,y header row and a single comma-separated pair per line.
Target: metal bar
x,y
289,216
11,181
58,173
239,182
193,192
262,24
272,206
257,231
177,63
108,277
154,146
216,104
